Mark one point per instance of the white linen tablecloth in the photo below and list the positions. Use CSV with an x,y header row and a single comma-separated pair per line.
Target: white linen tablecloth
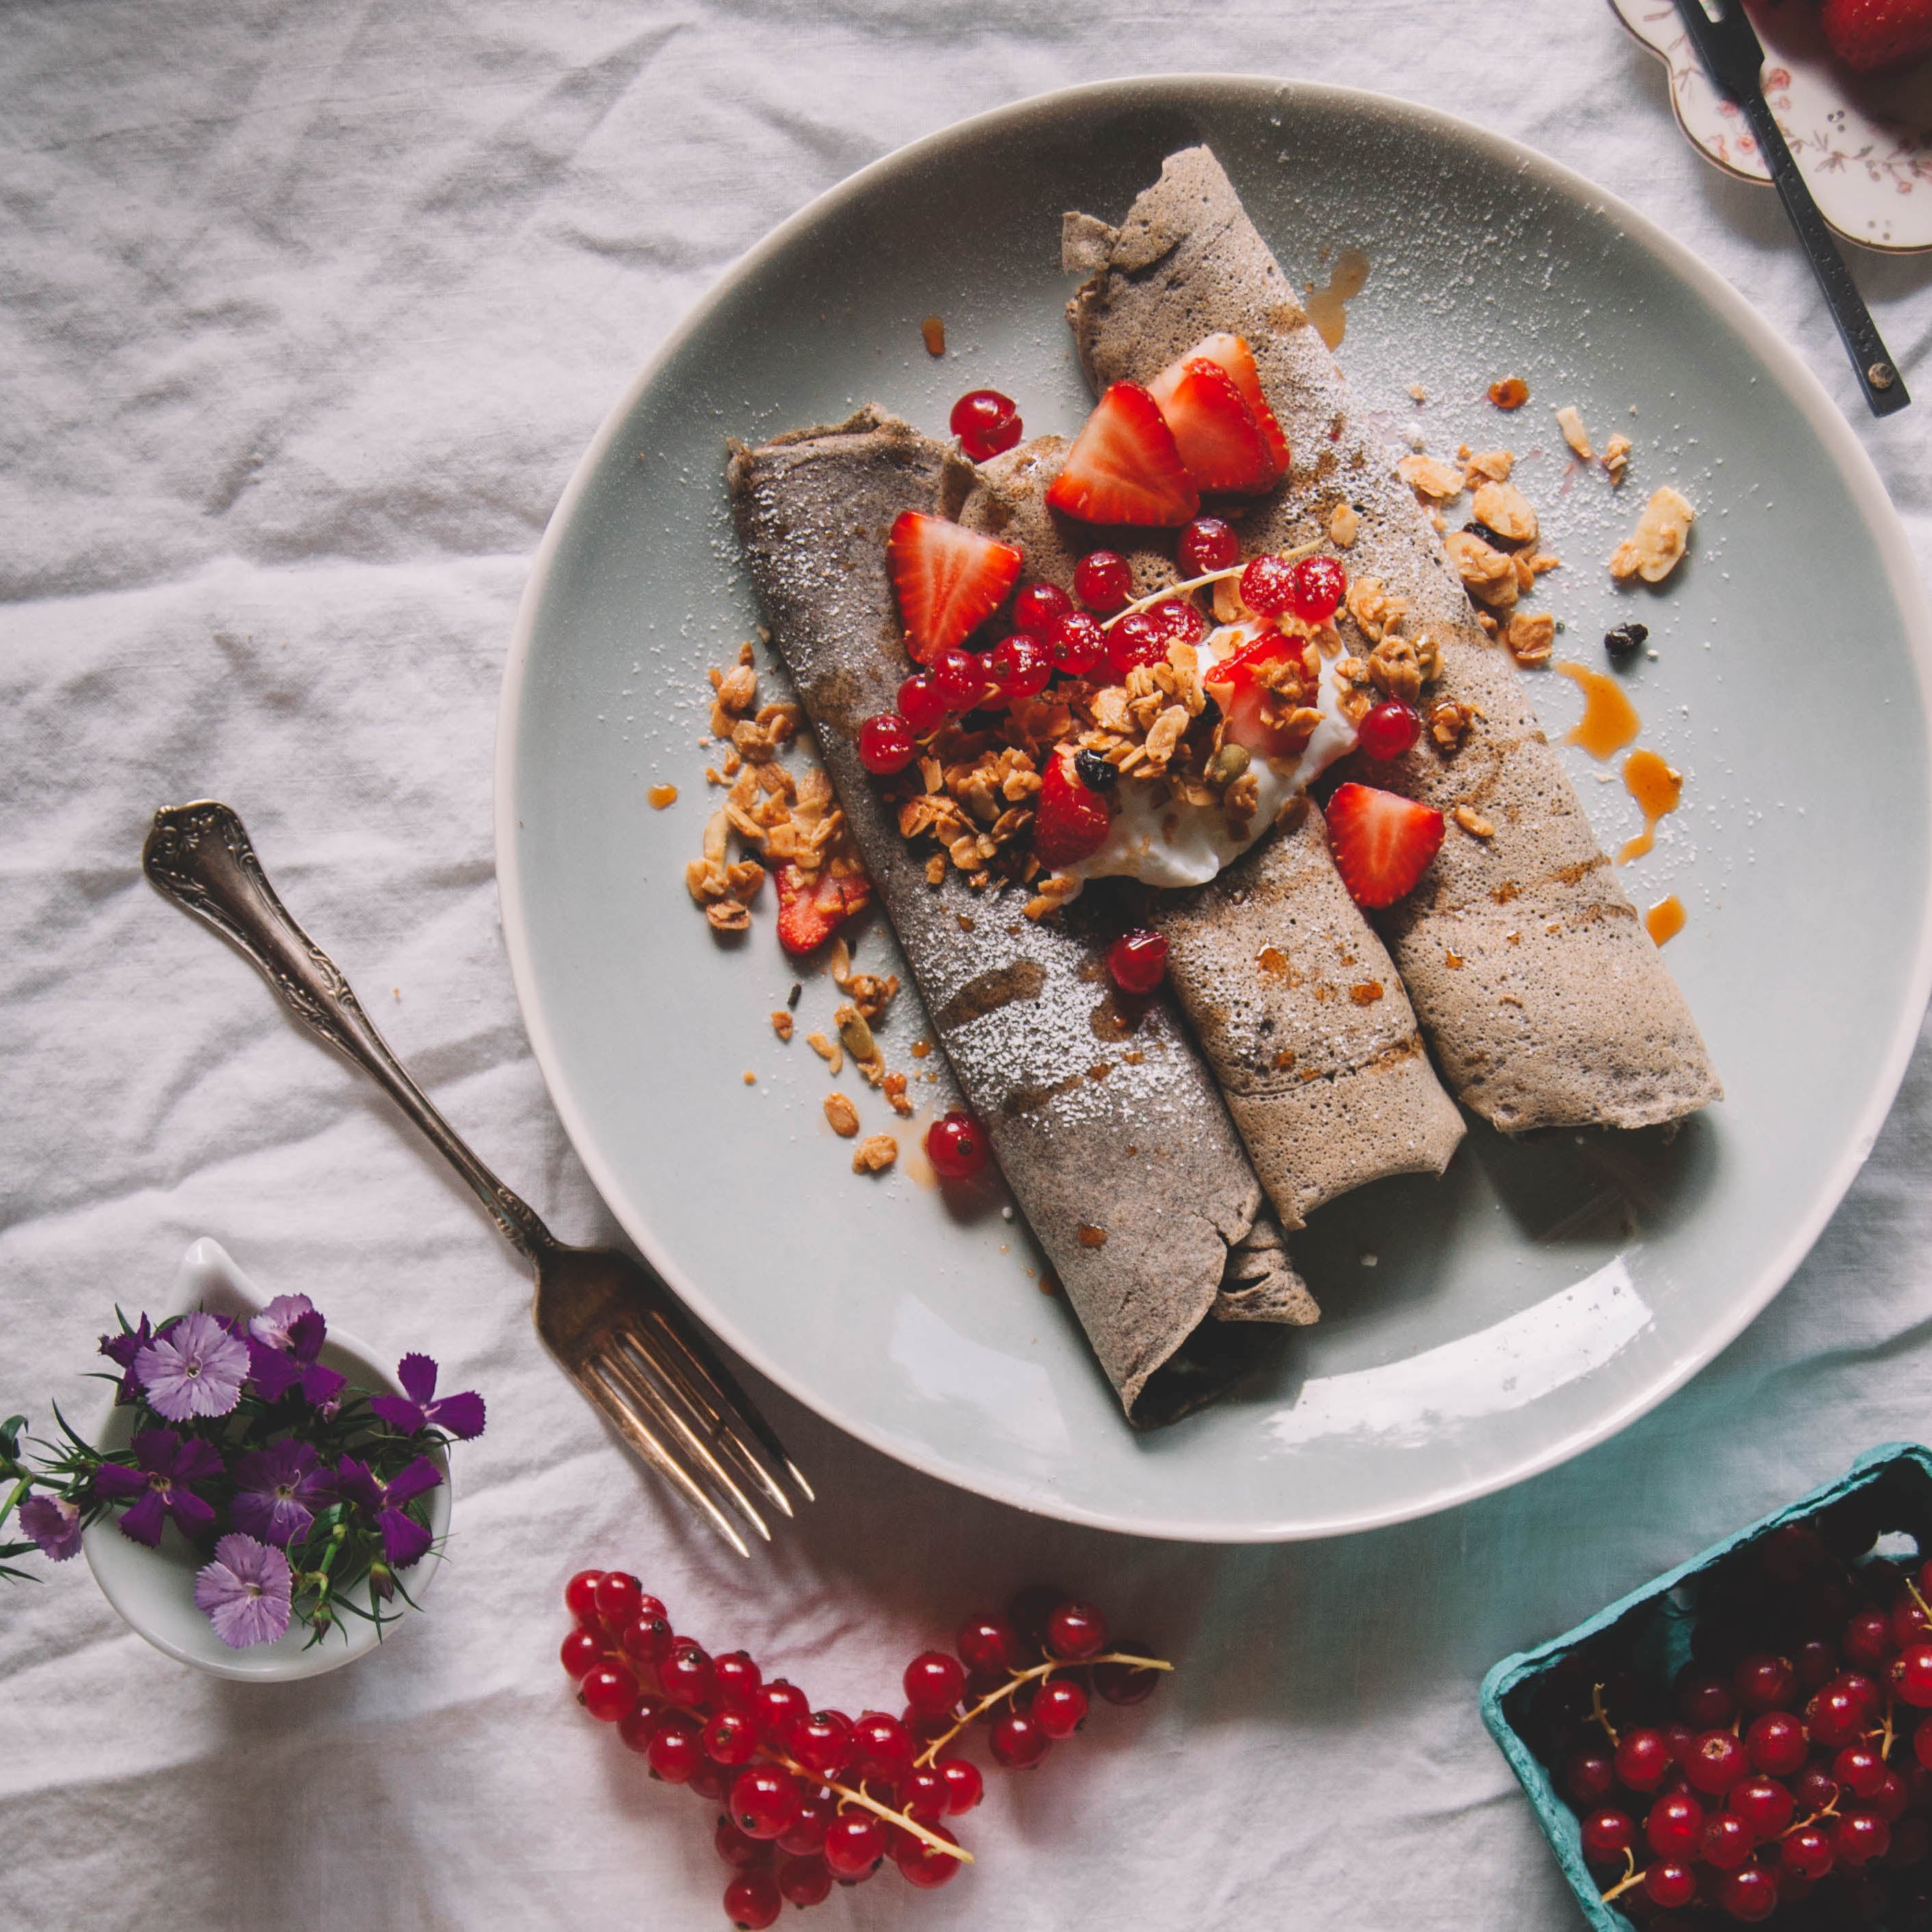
x,y
306,313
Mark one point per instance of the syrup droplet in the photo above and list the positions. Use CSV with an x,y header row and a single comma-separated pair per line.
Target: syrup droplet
x,y
934,330
1657,789
660,796
1609,720
1665,920
1326,306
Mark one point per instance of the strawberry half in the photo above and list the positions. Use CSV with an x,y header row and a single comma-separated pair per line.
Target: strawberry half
x,y
1124,467
812,906
950,580
1069,821
1234,356
1382,842
1237,684
1214,429
1878,36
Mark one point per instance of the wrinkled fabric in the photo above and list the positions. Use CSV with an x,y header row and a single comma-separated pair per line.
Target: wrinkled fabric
x,y
306,313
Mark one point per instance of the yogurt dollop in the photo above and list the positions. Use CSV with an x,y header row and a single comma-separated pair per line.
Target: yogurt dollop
x,y
1176,843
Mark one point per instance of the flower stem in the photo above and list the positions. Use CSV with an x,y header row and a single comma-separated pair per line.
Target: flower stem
x,y
1019,1677
20,1488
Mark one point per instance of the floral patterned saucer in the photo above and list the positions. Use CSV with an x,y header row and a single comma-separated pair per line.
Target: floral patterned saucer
x,y
1865,147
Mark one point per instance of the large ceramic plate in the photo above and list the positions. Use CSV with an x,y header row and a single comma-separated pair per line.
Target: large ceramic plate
x,y
1478,1328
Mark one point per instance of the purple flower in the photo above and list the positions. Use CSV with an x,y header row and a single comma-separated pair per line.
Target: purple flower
x,y
277,1490
245,1592
284,1343
195,1367
459,1415
120,1350
54,1524
168,1465
404,1540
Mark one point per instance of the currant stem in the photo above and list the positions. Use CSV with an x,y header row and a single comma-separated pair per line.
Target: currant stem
x,y
1830,1811
1019,1677
847,1794
1631,1877
1602,1716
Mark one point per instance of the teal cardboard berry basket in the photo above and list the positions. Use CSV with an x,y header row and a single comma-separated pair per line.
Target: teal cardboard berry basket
x,y
1886,1492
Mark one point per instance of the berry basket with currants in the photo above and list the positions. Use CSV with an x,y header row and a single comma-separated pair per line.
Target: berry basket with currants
x,y
808,1796
1748,1738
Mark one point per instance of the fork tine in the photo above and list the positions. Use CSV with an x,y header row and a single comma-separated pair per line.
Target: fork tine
x,y
642,1438
691,1347
639,1375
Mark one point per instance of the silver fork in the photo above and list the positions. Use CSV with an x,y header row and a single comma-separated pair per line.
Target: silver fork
x,y
617,1329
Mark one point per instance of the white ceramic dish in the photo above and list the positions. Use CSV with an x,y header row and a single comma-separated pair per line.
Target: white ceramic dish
x,y
154,1589
1542,1295
1863,146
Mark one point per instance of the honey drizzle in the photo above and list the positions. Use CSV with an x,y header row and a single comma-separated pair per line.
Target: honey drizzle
x,y
1665,920
1327,306
1657,789
1609,720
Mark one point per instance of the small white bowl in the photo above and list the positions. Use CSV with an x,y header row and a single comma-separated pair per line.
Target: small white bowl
x,y
154,1589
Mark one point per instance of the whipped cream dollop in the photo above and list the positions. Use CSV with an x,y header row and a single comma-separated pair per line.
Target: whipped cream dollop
x,y
1157,837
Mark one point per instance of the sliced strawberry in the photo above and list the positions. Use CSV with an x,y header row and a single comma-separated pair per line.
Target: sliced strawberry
x,y
1124,467
1235,356
950,580
812,906
1213,429
1240,686
1070,820
1382,842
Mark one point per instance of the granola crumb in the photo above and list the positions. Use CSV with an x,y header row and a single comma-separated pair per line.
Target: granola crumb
x,y
1345,525
874,1154
1616,456
1417,393
834,1057
894,1085
1663,532
781,1024
1532,636
1569,421
1473,822
932,333
840,1114
659,796
1510,393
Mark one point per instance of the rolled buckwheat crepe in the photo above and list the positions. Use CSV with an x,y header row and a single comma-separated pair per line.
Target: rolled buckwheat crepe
x,y
1543,998
1107,1127
1291,995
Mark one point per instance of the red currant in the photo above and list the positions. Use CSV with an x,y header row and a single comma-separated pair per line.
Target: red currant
x,y
1679,1738
1859,1769
1727,1841
1076,1629
777,1706
1137,639
1890,1798
804,1836
1716,1762
1835,1715
990,1644
1181,620
961,678
1388,730
752,1901
964,1786
1816,1663
885,743
1670,1884
956,1143
1642,1758
711,1781
580,1652
1589,1778
618,1597
1763,1803
580,1594
805,1881
1859,1837
921,1864
1137,961
1911,1840
730,1738
1060,1708
637,1727
1763,1682
1911,1676
765,1800
1865,1689
1126,1683
1675,1828
1017,1742
1267,584
735,1679
1028,1613
1748,1894
1868,1640
935,1682
1806,1853
881,1747
740,1853
822,1742
927,1726
646,1640
855,1841
1921,1745
609,1691
1316,587
1775,1743
675,1750
1909,1623
1038,608
1103,580
1021,665
985,422
685,1675
922,1794
1078,643
1208,543
1705,1702
921,705
1814,1789
1607,1835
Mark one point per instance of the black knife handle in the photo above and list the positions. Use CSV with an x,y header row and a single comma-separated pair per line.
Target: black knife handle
x,y
1884,388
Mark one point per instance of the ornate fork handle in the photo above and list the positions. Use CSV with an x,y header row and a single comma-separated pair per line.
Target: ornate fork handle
x,y
199,855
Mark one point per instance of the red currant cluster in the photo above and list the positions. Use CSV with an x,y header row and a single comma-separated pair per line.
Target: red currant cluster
x,y
811,1796
1791,1777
